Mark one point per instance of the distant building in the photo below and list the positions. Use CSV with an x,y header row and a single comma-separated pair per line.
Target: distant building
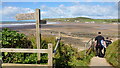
x,y
77,21
67,20
92,22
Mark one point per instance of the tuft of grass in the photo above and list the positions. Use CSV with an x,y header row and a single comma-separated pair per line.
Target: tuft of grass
x,y
112,54
83,61
86,59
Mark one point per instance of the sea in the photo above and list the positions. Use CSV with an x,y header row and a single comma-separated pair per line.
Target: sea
x,y
20,23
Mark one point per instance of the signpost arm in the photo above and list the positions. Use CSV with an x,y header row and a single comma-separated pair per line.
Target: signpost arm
x,y
38,34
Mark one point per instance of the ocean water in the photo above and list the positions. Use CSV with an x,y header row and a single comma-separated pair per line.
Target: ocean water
x,y
19,23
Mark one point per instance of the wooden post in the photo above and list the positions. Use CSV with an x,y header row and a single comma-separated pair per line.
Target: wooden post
x,y
38,37
59,34
85,50
50,54
58,41
93,44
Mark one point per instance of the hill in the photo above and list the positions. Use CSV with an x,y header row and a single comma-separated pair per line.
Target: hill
x,y
112,54
82,20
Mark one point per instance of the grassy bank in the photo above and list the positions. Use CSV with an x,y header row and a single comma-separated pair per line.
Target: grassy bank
x,y
112,54
83,20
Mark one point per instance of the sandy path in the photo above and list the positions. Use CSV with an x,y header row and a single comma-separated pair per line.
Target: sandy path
x,y
96,61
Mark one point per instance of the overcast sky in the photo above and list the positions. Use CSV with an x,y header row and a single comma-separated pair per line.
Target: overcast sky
x,y
97,10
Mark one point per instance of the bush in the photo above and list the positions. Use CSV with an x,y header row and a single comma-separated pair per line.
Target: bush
x,y
13,39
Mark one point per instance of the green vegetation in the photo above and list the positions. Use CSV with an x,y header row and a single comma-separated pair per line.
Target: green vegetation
x,y
83,20
13,39
112,54
66,56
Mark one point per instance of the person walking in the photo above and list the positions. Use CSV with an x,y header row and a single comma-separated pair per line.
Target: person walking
x,y
98,44
107,42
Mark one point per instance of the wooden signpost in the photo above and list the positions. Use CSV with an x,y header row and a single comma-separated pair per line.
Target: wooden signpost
x,y
26,16
33,16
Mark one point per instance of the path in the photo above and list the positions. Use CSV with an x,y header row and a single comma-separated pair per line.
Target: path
x,y
101,62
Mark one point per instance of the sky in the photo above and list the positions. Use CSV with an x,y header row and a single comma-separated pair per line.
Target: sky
x,y
60,0
96,10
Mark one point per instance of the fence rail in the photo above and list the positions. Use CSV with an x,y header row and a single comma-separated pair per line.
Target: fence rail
x,y
25,50
89,46
49,51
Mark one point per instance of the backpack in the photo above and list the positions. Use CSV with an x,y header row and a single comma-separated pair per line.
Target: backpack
x,y
108,42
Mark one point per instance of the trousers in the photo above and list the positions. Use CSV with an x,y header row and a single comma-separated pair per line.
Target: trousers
x,y
99,51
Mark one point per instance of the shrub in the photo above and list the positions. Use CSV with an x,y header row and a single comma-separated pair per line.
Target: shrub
x,y
12,39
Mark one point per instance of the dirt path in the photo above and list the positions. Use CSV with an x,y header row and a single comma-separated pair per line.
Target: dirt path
x,y
96,61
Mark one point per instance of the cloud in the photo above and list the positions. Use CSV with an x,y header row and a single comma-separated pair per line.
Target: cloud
x,y
96,11
8,13
62,11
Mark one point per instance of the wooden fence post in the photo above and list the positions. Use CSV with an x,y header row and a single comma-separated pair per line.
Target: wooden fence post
x,y
85,50
38,37
50,55
93,45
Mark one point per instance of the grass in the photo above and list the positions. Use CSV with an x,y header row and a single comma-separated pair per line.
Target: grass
x,y
83,20
83,61
48,39
112,54
86,60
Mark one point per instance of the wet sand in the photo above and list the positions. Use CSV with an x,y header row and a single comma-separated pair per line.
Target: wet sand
x,y
73,28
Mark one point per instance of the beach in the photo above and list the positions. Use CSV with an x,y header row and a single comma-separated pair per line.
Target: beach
x,y
75,34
